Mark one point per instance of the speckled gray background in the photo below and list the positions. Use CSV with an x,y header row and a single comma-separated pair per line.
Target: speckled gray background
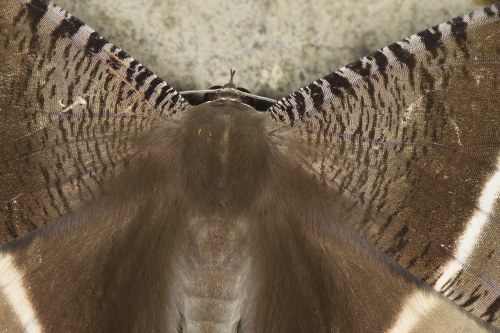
x,y
275,46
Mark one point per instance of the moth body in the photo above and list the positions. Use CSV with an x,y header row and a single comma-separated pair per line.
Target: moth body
x,y
365,201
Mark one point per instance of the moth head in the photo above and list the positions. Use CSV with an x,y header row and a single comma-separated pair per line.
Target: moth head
x,y
229,91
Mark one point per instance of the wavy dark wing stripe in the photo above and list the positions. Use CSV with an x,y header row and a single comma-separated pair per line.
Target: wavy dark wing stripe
x,y
59,173
70,103
412,132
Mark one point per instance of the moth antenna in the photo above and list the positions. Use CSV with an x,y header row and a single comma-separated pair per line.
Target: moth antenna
x,y
230,88
233,90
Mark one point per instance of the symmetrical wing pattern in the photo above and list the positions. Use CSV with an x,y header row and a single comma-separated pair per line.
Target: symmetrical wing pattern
x,y
70,105
221,218
412,134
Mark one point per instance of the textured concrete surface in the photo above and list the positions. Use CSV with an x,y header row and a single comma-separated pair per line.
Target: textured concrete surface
x,y
275,46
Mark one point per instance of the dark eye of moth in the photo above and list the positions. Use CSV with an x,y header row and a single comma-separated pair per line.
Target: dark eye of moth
x,y
211,96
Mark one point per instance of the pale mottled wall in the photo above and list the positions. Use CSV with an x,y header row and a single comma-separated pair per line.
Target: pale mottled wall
x,y
276,46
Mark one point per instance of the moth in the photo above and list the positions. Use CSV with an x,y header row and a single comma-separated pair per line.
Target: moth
x,y
366,201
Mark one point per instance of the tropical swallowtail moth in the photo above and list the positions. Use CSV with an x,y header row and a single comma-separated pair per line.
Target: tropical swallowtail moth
x,y
366,201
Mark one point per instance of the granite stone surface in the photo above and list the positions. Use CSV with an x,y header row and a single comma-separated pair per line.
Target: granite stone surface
x,y
275,46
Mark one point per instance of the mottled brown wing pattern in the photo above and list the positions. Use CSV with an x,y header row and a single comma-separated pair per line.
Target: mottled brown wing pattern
x,y
412,133
407,141
70,105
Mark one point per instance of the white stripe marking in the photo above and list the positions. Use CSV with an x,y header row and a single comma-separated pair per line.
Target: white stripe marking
x,y
416,307
486,202
11,285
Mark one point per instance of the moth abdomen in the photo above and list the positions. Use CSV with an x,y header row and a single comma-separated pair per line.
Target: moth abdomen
x,y
213,274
